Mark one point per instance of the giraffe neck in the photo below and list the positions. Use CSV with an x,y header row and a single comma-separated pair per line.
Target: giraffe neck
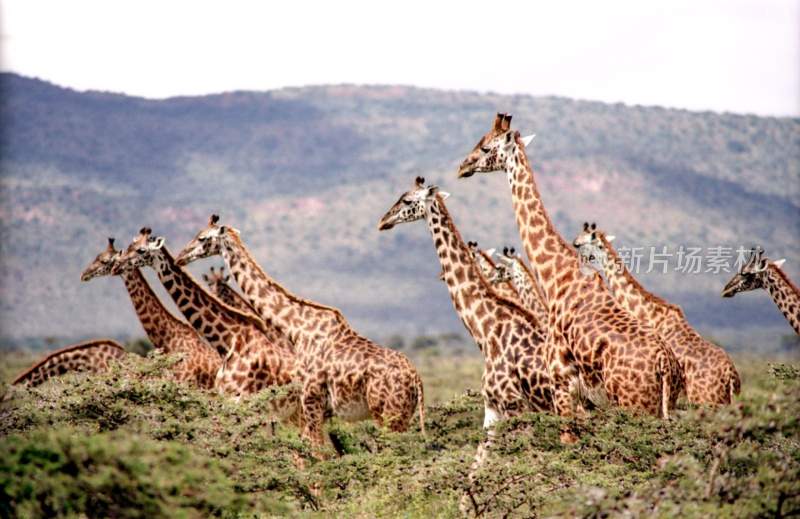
x,y
232,298
528,291
552,258
158,323
627,290
290,313
785,294
468,290
212,319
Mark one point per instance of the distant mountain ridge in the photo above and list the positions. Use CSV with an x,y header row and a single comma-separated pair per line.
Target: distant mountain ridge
x,y
306,172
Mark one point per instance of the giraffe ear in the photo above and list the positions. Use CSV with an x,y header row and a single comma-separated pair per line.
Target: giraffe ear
x,y
779,263
610,237
444,194
528,139
157,242
491,252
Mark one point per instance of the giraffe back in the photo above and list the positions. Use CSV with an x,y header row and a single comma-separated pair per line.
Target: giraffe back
x,y
89,356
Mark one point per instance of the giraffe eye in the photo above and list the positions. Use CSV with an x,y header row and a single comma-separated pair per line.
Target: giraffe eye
x,y
485,149
407,202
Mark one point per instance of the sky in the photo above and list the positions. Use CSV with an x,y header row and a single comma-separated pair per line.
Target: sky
x,y
723,55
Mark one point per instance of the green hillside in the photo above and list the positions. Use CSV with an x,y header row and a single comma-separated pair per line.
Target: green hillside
x,y
305,174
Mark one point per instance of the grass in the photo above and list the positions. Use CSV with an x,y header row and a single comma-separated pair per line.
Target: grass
x,y
132,443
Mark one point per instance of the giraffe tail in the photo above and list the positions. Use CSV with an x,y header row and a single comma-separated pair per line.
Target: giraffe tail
x,y
420,403
734,383
664,377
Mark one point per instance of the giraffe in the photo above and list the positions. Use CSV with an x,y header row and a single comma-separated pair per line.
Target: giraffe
x,y
355,377
199,363
487,269
92,356
760,272
257,356
596,342
709,374
217,281
515,375
512,269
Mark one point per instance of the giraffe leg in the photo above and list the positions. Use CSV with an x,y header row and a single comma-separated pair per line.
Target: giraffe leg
x,y
468,503
313,412
566,386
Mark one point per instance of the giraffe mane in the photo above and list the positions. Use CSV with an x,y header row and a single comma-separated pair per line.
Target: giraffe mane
x,y
648,296
289,295
524,163
783,276
73,347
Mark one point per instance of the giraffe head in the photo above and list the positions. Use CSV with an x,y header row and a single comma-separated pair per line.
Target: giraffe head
x,y
143,251
208,242
216,278
494,148
103,263
752,274
591,246
507,267
411,206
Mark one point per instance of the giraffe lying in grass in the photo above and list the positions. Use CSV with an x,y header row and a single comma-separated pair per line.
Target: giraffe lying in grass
x,y
759,272
710,376
90,356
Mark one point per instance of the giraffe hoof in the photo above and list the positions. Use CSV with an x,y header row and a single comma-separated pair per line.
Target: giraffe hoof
x,y
568,438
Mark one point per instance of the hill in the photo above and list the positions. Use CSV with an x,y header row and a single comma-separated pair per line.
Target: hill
x,y
305,173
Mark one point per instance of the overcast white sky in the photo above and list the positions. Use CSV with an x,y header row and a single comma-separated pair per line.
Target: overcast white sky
x,y
724,55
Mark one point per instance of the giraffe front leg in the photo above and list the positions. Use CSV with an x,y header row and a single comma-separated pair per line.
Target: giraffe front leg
x,y
313,413
566,386
468,502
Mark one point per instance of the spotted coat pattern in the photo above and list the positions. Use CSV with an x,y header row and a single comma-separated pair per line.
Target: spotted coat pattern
x,y
597,342
338,370
256,357
199,363
709,373
91,356
760,272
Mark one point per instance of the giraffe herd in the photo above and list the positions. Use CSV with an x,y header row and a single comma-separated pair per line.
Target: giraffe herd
x,y
556,336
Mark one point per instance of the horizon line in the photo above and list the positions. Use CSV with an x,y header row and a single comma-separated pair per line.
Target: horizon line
x,y
486,93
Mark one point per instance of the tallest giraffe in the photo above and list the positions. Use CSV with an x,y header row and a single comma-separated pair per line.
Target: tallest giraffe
x,y
595,340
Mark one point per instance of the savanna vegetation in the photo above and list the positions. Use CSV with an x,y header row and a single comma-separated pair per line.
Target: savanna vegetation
x,y
130,443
